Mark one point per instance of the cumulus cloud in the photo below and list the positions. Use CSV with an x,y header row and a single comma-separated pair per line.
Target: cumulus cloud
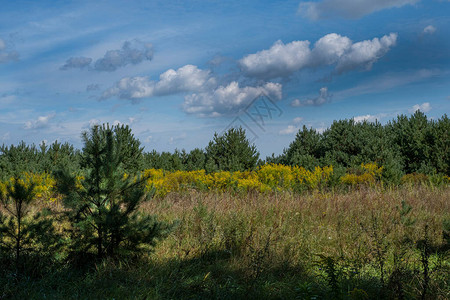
x,y
291,129
7,56
76,63
424,107
40,122
132,52
324,97
328,49
229,99
281,60
364,54
349,9
185,79
430,29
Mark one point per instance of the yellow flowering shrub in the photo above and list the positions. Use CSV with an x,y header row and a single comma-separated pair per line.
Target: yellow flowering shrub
x,y
313,180
370,174
276,176
414,178
267,178
44,185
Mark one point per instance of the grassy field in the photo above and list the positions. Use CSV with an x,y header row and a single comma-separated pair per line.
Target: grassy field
x,y
368,243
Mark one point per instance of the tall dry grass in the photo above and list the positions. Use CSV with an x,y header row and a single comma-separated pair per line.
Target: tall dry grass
x,y
370,234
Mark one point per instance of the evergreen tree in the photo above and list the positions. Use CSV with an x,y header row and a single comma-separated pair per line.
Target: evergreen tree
x,y
195,160
412,137
57,155
440,145
15,160
24,233
342,142
129,148
306,149
231,152
102,207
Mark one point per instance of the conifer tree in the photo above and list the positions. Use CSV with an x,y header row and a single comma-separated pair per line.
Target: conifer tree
x,y
102,207
231,152
24,233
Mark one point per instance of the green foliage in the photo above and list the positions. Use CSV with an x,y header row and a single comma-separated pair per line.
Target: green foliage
x,y
25,233
231,152
128,148
412,136
305,149
15,160
404,145
194,160
103,211
440,147
164,160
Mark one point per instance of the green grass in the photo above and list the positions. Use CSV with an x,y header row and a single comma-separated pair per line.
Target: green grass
x,y
356,245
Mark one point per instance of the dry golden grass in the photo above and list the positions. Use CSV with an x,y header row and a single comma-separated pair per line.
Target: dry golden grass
x,y
288,231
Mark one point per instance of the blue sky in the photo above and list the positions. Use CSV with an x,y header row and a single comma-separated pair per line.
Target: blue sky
x,y
178,71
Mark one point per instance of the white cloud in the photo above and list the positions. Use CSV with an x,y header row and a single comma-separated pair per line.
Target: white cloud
x,y
2,44
430,29
328,49
424,107
92,123
368,118
291,129
226,100
76,63
281,60
297,120
132,52
323,98
365,53
349,9
40,122
185,79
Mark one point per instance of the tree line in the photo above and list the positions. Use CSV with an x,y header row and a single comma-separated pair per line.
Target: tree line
x,y
404,145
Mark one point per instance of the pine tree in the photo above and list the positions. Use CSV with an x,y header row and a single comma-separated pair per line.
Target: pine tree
x,y
24,233
102,207
305,149
231,152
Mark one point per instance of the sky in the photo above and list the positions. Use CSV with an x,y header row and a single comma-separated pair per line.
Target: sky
x,y
177,72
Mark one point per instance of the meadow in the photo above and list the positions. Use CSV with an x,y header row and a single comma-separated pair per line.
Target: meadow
x,y
286,235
